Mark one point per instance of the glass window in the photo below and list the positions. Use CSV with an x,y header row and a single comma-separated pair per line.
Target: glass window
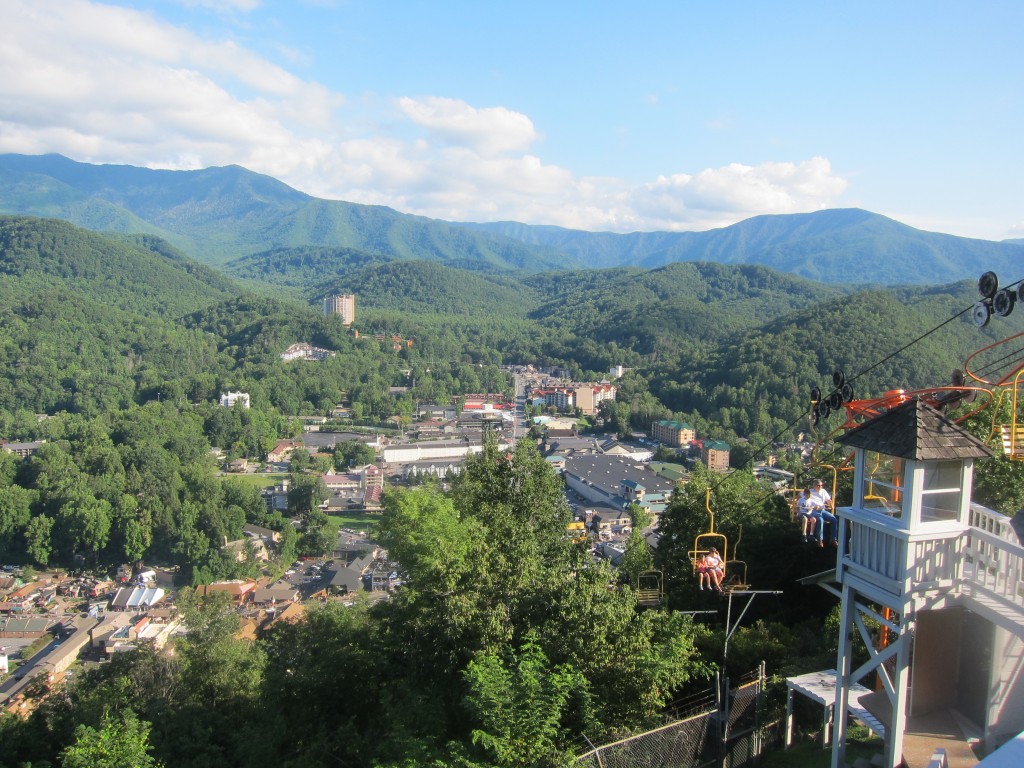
x,y
942,489
883,483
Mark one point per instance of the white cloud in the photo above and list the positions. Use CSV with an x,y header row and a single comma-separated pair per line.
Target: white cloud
x,y
739,191
104,83
490,130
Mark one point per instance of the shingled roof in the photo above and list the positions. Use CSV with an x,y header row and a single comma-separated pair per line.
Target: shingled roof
x,y
914,430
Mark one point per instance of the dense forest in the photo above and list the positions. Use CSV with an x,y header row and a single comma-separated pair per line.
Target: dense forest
x,y
507,646
115,351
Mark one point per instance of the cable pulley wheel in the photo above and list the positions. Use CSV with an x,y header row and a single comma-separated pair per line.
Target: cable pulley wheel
x,y
835,401
847,392
1003,301
988,284
980,314
815,395
824,409
838,378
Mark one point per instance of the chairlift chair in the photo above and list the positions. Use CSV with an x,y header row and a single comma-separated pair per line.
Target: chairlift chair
x,y
650,588
1011,434
703,542
735,577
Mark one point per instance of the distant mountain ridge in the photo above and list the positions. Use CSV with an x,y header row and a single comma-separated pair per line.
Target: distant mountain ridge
x,y
217,215
832,246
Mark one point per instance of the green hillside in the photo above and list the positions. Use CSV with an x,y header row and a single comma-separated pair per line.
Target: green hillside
x,y
422,287
758,381
139,273
650,317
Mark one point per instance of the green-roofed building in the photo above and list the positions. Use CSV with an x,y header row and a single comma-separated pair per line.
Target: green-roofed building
x,y
673,433
675,472
715,455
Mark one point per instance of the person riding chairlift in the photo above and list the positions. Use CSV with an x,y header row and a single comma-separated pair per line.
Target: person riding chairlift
x,y
709,570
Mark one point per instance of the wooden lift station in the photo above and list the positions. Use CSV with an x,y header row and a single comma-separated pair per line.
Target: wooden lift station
x,y
942,577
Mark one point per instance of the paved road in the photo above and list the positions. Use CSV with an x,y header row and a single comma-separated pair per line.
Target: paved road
x,y
28,668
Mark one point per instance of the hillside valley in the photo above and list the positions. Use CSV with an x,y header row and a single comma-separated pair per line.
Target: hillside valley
x,y
117,351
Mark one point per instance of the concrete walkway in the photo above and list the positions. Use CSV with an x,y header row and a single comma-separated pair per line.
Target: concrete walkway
x,y
925,734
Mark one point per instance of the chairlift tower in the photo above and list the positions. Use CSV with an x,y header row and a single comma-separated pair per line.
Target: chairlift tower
x,y
937,575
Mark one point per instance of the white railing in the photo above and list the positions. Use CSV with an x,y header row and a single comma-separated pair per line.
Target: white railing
x,y
990,520
984,558
935,562
875,545
992,562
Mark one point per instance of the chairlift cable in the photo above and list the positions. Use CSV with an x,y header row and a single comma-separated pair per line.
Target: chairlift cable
x,y
717,482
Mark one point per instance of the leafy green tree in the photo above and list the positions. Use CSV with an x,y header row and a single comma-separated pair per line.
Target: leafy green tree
x,y
305,494
219,669
637,558
15,513
83,525
353,453
491,568
525,709
120,742
38,541
998,482
318,535
299,460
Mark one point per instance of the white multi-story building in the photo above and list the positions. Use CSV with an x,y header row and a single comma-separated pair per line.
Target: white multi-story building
x,y
228,399
304,351
344,305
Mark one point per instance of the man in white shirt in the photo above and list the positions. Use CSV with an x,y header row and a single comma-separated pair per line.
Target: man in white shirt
x,y
821,503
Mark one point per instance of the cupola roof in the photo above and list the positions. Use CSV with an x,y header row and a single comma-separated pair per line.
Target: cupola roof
x,y
915,431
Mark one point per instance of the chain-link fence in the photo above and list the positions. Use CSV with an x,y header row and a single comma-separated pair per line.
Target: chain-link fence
x,y
688,743
741,743
696,740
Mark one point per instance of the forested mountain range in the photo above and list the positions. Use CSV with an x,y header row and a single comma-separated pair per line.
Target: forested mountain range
x,y
96,321
841,246
219,214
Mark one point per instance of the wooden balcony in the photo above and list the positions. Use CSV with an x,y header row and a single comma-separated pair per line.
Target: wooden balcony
x,y
992,577
980,566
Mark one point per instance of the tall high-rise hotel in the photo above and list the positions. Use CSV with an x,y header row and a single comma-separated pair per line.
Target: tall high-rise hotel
x,y
344,305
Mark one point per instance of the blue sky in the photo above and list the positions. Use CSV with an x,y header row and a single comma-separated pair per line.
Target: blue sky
x,y
591,115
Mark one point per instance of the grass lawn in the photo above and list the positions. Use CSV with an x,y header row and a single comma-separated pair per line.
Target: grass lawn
x,y
259,479
358,521
806,754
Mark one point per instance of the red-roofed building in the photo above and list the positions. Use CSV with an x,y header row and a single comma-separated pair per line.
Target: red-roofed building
x,y
282,448
590,396
240,591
